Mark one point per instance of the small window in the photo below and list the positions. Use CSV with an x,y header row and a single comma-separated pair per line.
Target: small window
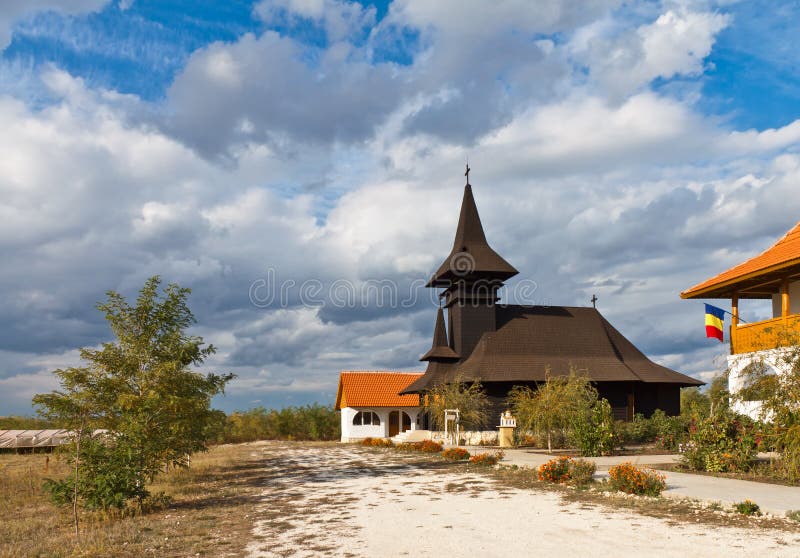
x,y
366,418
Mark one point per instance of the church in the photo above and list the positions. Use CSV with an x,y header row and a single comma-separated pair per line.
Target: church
x,y
477,338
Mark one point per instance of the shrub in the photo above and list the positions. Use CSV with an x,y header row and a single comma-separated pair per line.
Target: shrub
x,y
455,454
747,508
629,479
669,431
794,515
722,442
581,472
556,470
487,458
593,430
429,446
637,431
377,443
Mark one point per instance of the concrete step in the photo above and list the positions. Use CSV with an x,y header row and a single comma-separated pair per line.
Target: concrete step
x,y
411,436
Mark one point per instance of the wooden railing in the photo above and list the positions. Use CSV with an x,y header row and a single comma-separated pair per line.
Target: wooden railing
x,y
769,334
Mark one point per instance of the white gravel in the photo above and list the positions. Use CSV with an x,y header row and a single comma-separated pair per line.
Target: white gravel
x,y
348,501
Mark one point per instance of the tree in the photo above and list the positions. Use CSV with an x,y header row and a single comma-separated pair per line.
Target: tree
x,y
466,396
555,404
141,390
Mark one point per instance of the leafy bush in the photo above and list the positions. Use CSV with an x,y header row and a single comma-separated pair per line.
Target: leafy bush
x,y
556,470
794,515
593,430
487,458
455,454
627,478
581,472
722,442
638,431
670,431
747,508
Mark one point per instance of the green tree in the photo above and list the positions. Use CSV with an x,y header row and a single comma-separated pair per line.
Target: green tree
x,y
695,403
554,405
140,389
467,396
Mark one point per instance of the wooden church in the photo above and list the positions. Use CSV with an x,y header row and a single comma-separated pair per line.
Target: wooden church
x,y
504,345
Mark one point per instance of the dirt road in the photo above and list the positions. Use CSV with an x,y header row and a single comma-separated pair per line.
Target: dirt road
x,y
351,501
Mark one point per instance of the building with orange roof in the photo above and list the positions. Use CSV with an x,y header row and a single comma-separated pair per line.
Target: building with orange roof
x,y
371,405
772,275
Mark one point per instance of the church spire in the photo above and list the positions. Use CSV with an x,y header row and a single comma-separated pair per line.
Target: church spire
x,y
471,257
440,350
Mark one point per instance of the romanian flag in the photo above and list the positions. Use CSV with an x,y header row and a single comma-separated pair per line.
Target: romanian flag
x,y
714,319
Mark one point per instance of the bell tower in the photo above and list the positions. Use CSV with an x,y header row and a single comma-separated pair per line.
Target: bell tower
x,y
471,276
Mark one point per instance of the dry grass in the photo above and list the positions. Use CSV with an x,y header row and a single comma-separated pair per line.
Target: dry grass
x,y
211,514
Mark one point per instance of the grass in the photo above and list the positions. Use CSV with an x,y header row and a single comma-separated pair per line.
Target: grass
x,y
211,514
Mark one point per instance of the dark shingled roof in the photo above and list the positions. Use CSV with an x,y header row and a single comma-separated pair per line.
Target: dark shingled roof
x,y
531,339
471,254
440,349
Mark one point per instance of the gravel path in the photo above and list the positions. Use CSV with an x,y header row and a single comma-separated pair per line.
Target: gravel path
x,y
348,501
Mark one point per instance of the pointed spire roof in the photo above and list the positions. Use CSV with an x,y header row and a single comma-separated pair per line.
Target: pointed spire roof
x,y
471,254
440,348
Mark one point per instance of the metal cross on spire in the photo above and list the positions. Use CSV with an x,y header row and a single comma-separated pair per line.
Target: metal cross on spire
x,y
594,301
467,173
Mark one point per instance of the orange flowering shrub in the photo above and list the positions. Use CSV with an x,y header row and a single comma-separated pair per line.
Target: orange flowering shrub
x,y
455,454
628,478
430,446
377,443
577,472
556,470
487,458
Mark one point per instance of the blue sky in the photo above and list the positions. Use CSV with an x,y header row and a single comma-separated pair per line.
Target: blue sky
x,y
624,149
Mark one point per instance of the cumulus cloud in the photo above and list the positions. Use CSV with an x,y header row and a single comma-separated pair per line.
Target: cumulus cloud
x,y
623,60
339,169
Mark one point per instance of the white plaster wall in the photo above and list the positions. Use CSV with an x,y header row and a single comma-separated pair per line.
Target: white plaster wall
x,y
351,432
794,300
471,437
774,358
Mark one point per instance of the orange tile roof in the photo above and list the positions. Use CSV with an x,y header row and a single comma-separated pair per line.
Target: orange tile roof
x,y
783,254
376,389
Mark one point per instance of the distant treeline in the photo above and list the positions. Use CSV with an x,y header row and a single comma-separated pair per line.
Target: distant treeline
x,y
24,423
310,422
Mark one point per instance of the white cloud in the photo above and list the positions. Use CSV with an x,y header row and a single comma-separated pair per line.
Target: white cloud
x,y
623,60
12,11
346,169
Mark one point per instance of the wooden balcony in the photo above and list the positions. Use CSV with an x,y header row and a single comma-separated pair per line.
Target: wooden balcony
x,y
769,334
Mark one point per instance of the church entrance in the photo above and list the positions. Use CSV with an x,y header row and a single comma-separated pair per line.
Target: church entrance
x,y
399,421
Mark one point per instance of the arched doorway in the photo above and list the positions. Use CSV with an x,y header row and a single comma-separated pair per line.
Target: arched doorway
x,y
399,421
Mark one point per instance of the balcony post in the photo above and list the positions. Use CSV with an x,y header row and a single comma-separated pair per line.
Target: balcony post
x,y
785,299
734,320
